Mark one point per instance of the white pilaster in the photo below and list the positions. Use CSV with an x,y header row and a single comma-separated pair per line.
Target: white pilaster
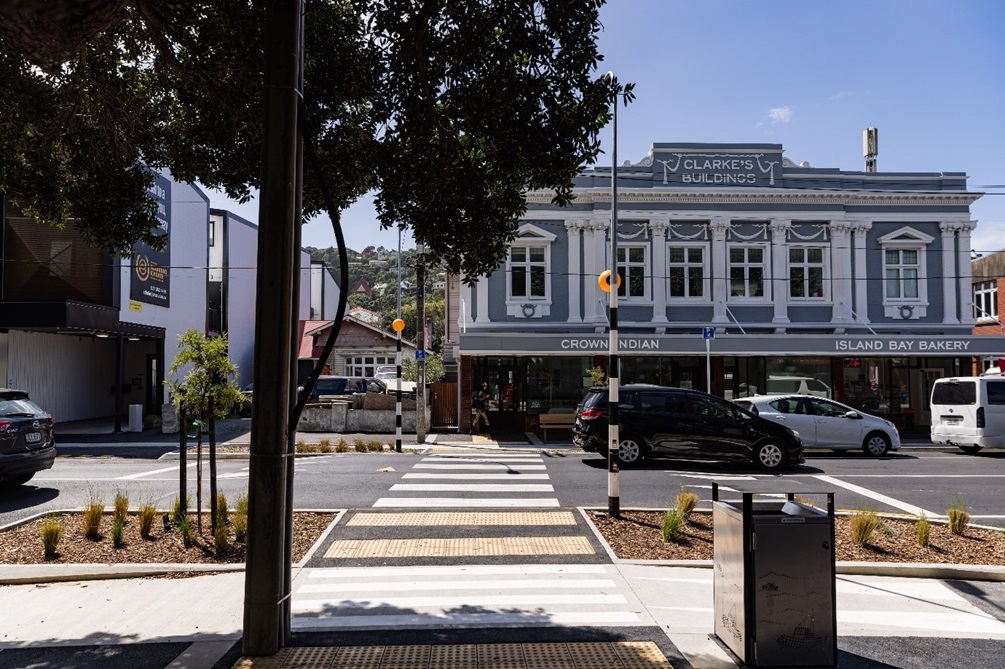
x,y
659,227
720,270
963,268
950,272
482,313
574,233
841,254
600,245
861,274
467,305
780,269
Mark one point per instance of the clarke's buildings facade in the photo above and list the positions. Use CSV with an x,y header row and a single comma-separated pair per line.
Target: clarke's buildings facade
x,y
854,285
87,334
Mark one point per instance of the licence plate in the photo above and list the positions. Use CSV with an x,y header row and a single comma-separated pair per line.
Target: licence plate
x,y
33,437
951,420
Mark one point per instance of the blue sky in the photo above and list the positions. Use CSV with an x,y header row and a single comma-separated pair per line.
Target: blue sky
x,y
808,75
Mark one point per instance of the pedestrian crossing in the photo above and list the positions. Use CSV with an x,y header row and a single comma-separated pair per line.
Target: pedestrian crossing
x,y
528,595
473,480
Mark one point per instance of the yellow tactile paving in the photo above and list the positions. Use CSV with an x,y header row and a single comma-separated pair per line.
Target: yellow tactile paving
x,y
461,518
601,655
462,547
358,657
640,655
310,658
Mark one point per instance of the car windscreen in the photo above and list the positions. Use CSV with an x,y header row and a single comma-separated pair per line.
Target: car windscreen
x,y
955,393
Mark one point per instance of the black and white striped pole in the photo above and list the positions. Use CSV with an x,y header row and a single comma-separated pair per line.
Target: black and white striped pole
x,y
614,438
398,325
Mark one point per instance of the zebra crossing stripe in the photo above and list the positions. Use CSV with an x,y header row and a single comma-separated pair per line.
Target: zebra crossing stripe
x,y
473,487
464,502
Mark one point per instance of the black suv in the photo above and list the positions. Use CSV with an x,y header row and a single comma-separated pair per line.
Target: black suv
x,y
657,421
27,444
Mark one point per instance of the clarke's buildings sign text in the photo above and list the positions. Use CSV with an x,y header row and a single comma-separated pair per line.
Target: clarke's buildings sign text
x,y
720,169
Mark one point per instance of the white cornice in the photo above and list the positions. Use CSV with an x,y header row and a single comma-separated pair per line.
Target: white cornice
x,y
588,196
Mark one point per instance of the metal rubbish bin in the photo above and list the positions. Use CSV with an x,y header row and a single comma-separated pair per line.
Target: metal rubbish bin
x,y
773,584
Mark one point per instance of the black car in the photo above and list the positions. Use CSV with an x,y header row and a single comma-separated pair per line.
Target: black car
x,y
27,444
656,421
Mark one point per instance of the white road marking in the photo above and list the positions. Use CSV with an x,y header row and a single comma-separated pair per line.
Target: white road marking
x,y
497,467
473,487
890,501
346,588
458,570
151,473
478,477
462,502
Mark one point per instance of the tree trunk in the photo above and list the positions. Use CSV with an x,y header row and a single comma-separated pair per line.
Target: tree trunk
x,y
212,466
198,482
182,461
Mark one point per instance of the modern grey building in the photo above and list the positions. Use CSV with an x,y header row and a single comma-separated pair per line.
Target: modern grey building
x,y
854,285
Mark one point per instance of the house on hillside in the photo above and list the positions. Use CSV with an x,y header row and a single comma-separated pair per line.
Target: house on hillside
x,y
738,267
361,287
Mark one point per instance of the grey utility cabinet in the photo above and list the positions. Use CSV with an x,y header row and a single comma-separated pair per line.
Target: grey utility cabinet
x,y
774,580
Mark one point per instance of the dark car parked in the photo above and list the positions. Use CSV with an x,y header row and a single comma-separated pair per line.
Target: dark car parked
x,y
656,421
27,444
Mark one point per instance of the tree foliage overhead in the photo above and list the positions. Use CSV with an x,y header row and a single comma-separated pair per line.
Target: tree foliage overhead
x,y
450,110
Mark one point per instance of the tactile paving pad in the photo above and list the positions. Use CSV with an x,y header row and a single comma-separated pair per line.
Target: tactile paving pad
x,y
463,547
600,655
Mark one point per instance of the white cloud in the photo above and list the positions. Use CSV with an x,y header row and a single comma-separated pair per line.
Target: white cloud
x,y
780,114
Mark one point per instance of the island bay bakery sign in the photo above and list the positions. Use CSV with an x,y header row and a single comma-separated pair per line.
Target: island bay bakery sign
x,y
720,169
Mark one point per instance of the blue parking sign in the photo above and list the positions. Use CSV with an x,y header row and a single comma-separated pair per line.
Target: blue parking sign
x,y
708,332
420,354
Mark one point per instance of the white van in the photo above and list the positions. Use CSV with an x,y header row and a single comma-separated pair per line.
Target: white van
x,y
969,412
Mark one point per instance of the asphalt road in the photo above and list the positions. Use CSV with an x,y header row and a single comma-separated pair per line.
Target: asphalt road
x,y
911,481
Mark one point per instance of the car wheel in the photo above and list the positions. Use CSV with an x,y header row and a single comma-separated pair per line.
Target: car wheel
x,y
630,451
769,455
876,444
970,450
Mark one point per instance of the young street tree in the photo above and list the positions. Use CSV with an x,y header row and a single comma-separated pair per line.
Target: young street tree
x,y
449,110
205,393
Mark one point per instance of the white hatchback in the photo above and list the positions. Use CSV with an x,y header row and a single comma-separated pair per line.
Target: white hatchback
x,y
823,423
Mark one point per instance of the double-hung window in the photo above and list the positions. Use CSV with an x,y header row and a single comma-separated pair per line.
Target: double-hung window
x,y
528,268
632,265
986,300
901,270
905,282
528,273
807,271
746,271
686,271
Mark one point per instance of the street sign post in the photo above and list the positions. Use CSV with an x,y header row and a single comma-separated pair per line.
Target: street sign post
x,y
708,334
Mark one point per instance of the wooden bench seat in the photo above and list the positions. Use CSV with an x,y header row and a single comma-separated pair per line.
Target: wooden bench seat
x,y
555,421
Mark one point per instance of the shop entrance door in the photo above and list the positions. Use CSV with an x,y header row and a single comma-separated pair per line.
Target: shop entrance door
x,y
921,393
687,375
500,373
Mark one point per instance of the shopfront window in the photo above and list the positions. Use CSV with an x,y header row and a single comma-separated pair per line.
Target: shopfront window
x,y
556,384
